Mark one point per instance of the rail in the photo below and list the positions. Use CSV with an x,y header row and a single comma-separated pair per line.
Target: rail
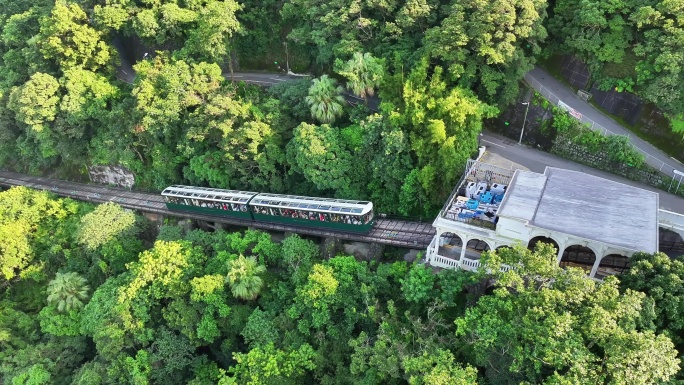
x,y
414,235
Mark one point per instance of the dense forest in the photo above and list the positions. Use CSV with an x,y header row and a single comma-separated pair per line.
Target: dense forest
x,y
439,69
96,295
99,295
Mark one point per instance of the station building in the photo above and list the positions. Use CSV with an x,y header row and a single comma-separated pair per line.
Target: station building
x,y
594,223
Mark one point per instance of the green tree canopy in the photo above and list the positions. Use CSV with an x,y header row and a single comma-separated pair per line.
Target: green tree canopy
x,y
243,277
67,38
67,291
363,73
544,324
325,99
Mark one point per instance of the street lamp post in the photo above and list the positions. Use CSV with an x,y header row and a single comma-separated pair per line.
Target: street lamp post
x,y
287,58
522,130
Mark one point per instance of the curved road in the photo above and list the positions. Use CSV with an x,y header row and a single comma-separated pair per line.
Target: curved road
x,y
538,78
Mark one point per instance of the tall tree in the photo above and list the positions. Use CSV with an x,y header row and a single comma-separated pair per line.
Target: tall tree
x,y
662,279
243,277
442,124
325,99
216,25
488,46
544,324
107,222
363,73
67,38
67,291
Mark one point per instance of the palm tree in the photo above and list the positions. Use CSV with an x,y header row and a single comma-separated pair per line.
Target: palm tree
x,y
363,73
325,99
243,277
68,291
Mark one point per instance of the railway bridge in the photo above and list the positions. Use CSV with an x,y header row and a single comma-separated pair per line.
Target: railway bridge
x,y
393,232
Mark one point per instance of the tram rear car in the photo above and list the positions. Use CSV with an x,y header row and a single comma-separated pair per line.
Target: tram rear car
x,y
335,214
211,201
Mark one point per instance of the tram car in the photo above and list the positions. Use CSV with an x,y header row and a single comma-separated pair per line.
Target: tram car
x,y
336,214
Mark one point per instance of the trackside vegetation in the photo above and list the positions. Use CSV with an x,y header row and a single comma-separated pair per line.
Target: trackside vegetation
x,y
178,306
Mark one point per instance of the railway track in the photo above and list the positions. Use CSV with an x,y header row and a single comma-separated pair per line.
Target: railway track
x,y
414,235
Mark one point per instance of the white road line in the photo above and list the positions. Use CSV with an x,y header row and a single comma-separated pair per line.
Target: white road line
x,y
496,144
280,80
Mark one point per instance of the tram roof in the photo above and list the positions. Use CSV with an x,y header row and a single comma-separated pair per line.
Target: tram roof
x,y
207,193
329,205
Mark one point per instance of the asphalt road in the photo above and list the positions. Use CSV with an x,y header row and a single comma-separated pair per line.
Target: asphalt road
x,y
654,156
126,73
537,160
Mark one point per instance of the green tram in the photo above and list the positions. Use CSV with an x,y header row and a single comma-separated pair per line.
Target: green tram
x,y
337,214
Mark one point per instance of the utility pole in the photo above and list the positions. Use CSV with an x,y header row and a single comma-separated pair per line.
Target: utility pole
x,y
524,119
287,58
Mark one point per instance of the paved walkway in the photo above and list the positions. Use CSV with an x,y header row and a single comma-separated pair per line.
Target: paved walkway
x,y
546,84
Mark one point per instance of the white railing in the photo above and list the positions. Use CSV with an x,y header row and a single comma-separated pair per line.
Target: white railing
x,y
447,263
671,220
470,264
556,101
466,264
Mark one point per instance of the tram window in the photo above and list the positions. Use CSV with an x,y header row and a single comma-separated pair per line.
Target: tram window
x,y
243,208
322,217
313,216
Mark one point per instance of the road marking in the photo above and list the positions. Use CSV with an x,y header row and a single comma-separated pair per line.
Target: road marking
x,y
496,144
280,80
238,76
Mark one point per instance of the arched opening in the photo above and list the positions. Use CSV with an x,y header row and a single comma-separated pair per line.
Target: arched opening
x,y
475,247
502,248
450,245
612,264
578,256
533,242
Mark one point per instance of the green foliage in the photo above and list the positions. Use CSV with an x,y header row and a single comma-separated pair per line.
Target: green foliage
x,y
660,277
216,24
599,341
363,73
268,365
260,330
325,99
27,217
67,38
442,125
419,284
67,291
298,255
107,222
319,154
640,37
617,148
243,277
